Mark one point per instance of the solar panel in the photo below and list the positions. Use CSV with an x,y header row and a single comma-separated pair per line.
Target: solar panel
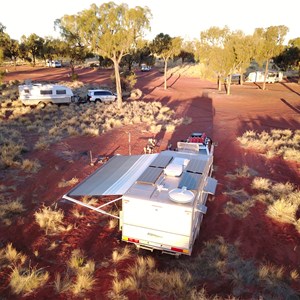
x,y
190,181
196,166
161,161
150,175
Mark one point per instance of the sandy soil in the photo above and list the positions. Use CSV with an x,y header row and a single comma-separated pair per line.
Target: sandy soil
x,y
222,117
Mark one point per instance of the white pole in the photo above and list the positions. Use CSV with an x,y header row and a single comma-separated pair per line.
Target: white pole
x,y
89,206
129,143
91,158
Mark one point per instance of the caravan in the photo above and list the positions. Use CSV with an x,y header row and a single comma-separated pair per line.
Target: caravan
x,y
163,194
259,76
33,94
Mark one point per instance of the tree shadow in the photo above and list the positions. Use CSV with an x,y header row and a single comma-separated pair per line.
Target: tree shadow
x,y
297,110
289,88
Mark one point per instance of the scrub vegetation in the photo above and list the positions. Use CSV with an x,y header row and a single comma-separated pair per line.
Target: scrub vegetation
x,y
51,220
283,143
50,124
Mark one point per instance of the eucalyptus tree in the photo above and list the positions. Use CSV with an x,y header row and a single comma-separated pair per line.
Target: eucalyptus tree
x,y
32,45
290,57
238,53
72,46
2,29
187,52
144,53
212,53
11,49
269,43
51,48
166,47
137,54
110,30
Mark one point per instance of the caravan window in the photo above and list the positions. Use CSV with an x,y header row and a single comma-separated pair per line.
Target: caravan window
x,y
46,92
103,93
61,92
26,91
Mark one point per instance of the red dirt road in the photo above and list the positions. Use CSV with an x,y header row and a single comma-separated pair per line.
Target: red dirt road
x,y
223,118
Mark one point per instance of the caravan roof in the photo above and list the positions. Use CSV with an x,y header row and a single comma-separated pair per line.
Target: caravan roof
x,y
137,174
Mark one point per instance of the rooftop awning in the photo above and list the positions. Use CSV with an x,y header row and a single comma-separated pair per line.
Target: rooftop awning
x,y
115,177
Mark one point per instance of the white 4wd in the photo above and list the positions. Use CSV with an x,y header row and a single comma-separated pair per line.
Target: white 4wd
x,y
101,95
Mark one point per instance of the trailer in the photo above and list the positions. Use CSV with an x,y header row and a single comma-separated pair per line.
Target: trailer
x,y
163,195
259,76
33,94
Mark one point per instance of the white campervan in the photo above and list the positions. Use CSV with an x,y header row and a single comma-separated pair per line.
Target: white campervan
x,y
163,194
259,76
33,94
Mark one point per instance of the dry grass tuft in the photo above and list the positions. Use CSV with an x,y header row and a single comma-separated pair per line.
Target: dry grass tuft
x,y
122,255
42,144
77,214
83,282
283,143
240,195
83,270
51,220
237,210
283,210
30,166
294,275
25,281
282,200
62,285
243,172
89,200
9,209
11,256
65,183
113,223
261,184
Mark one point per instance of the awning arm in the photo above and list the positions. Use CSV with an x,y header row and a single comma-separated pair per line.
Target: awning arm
x,y
90,207
115,200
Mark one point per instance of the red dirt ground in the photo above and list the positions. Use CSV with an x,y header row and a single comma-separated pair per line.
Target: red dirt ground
x,y
222,117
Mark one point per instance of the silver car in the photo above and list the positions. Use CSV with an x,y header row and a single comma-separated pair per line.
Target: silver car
x,y
101,96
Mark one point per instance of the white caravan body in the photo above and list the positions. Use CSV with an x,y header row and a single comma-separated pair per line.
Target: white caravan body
x,y
163,195
33,94
259,76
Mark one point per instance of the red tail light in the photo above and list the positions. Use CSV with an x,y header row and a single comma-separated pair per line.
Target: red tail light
x,y
176,249
133,240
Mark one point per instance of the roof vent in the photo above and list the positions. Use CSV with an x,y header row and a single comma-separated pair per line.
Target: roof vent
x,y
175,168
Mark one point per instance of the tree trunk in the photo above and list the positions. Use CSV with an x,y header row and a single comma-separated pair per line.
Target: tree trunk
x,y
219,84
299,72
228,85
72,69
266,74
165,74
241,77
118,84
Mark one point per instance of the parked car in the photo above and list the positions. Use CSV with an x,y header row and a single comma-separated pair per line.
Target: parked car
x,y
101,95
53,63
235,79
145,68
